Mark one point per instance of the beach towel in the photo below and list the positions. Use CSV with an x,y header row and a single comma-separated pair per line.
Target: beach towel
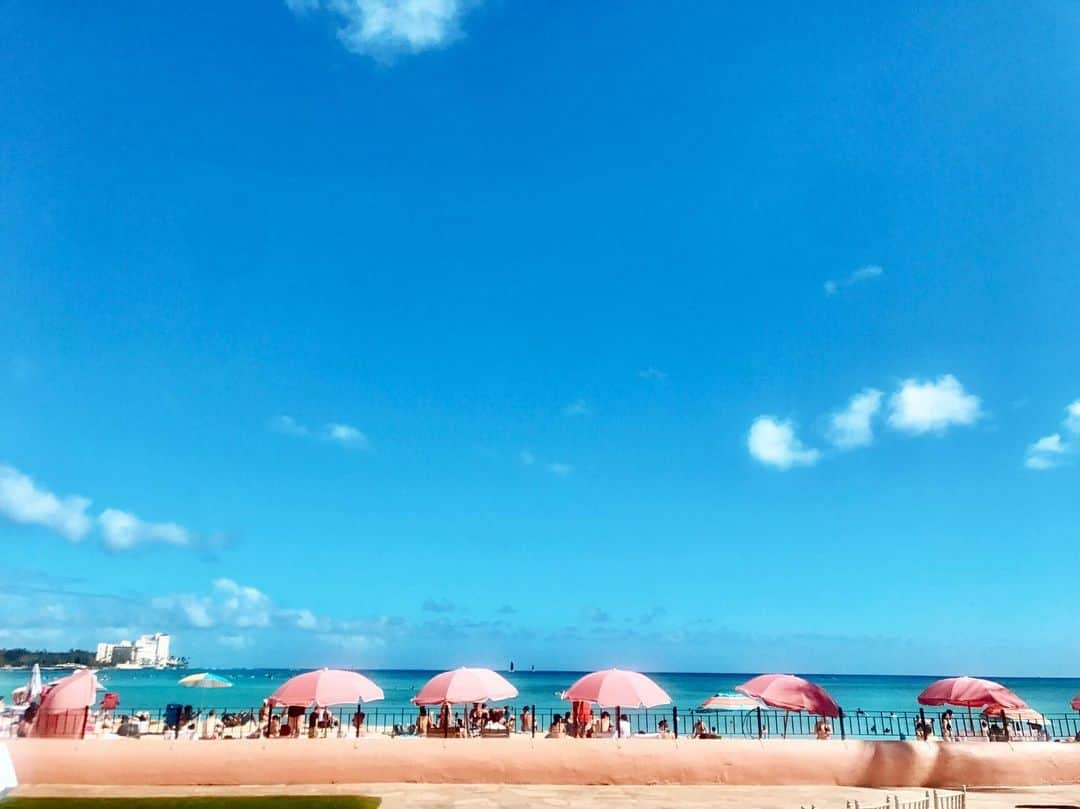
x,y
8,781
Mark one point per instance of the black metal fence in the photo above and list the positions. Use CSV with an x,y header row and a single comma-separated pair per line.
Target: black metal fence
x,y
767,723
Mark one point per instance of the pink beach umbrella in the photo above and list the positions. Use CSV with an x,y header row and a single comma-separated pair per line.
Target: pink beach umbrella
x,y
1017,714
325,687
970,692
74,692
790,693
65,705
618,689
464,685
1075,704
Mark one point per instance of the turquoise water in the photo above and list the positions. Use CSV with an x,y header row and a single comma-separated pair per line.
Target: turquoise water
x,y
152,690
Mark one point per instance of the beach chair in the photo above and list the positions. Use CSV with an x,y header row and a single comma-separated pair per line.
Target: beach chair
x,y
439,733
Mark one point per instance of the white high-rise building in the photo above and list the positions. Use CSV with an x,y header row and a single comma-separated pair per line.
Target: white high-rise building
x,y
151,651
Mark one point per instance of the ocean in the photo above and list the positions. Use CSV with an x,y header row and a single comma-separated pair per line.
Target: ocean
x,y
152,690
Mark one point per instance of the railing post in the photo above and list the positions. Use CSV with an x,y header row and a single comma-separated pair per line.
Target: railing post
x,y
534,720
840,712
675,720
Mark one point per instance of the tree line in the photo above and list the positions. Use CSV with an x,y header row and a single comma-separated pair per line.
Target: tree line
x,y
27,657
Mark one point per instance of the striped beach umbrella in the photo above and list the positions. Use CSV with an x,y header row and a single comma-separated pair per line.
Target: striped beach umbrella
x,y
205,680
730,702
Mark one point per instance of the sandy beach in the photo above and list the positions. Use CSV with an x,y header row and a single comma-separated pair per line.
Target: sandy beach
x,y
544,762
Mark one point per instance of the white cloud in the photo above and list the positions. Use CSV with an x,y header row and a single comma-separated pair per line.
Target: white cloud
x,y
122,530
1072,417
865,273
384,29
924,406
651,374
344,435
527,458
852,426
231,605
1050,451
1051,443
774,443
578,407
196,610
1046,452
22,501
301,619
347,436
562,470
286,425
241,605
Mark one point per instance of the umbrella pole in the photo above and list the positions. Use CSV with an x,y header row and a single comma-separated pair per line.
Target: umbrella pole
x,y
760,732
618,722
356,721
971,722
783,734
840,713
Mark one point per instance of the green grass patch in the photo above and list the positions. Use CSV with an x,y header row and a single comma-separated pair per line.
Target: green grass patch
x,y
200,802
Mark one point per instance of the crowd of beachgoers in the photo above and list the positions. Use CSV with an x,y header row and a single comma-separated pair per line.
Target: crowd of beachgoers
x,y
465,703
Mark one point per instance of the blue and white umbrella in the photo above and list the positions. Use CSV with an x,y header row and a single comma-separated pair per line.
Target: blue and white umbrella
x,y
205,680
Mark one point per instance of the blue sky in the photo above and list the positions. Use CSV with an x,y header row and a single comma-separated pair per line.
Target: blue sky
x,y
682,336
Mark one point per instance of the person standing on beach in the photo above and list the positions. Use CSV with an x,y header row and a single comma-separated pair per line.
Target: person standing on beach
x,y
295,714
526,720
582,718
823,728
947,726
209,726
